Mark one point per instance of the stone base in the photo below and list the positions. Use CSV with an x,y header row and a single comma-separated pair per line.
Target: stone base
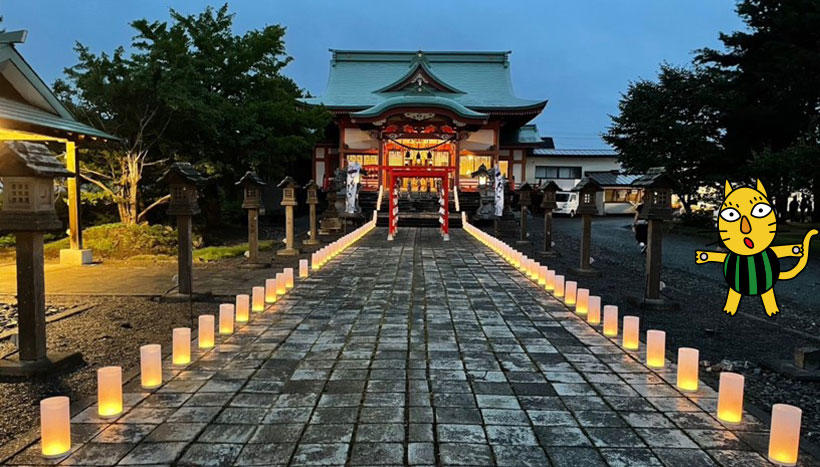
x,y
522,242
788,368
14,368
548,253
176,297
585,272
310,242
330,225
249,265
287,252
653,304
74,257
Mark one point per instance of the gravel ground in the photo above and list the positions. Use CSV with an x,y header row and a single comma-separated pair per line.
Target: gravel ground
x,y
8,314
738,342
117,326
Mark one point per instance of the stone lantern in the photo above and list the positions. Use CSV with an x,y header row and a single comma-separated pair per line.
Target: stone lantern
x,y
288,186
312,200
524,200
657,207
27,172
183,180
548,204
486,209
588,190
252,189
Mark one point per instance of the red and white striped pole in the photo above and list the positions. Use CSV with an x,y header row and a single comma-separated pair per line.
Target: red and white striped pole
x,y
444,210
393,218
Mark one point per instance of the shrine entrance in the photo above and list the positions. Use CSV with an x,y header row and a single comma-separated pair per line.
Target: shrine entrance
x,y
436,181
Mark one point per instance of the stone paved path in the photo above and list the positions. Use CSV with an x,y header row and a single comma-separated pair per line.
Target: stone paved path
x,y
415,352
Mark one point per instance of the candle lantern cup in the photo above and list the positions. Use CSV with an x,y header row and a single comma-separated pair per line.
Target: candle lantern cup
x,y
281,283
582,301
558,291
655,348
688,359
181,343
206,331
243,308
550,281
258,296
570,291
730,397
270,290
610,320
542,276
109,391
594,310
226,313
784,435
289,278
631,339
151,366
55,426
303,268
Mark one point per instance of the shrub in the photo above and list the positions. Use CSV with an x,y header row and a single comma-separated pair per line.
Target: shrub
x,y
119,241
697,219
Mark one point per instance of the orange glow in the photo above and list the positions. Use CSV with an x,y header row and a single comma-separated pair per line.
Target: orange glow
x,y
542,276
289,278
109,391
303,268
281,283
784,435
181,340
550,281
582,301
594,310
258,298
730,397
655,348
206,331
631,338
558,291
688,359
151,366
610,320
570,290
270,290
226,318
242,308
55,426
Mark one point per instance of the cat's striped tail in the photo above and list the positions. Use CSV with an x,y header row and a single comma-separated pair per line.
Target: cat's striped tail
x,y
785,275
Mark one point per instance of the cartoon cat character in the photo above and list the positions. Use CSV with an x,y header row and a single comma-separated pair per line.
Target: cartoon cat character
x,y
747,226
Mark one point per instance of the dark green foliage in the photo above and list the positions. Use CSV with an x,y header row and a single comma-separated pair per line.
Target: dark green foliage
x,y
119,241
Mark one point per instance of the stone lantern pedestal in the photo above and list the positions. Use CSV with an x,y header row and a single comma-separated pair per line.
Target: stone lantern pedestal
x,y
27,171
548,203
288,186
312,200
252,187
588,190
524,200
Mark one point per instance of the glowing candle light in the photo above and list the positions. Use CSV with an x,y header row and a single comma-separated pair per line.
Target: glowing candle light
x,y
206,331
610,320
226,318
570,289
542,276
314,261
784,435
558,291
151,366
688,369
242,308
270,290
631,338
109,391
594,310
582,301
281,283
655,348
181,346
550,281
730,397
303,268
258,298
289,278
55,426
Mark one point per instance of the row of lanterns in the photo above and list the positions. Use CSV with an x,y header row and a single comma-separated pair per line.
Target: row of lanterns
x,y
784,437
55,414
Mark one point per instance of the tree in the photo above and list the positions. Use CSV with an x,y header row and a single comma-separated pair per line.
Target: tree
x,y
191,90
674,122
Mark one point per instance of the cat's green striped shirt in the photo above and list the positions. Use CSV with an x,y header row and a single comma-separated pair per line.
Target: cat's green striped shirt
x,y
753,274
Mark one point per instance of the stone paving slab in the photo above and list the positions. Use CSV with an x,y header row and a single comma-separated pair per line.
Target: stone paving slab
x,y
415,352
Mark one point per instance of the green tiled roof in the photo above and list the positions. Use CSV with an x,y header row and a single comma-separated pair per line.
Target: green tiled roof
x,y
406,100
29,115
482,80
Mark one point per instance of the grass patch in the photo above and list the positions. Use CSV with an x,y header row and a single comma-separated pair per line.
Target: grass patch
x,y
121,241
216,253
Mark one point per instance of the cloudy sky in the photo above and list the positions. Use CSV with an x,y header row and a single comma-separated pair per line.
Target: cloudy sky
x,y
578,54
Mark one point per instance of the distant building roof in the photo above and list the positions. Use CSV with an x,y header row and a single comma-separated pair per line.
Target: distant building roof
x,y
559,152
479,81
525,135
26,101
612,178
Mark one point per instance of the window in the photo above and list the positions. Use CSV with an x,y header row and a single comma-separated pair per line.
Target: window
x,y
363,159
470,163
551,172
